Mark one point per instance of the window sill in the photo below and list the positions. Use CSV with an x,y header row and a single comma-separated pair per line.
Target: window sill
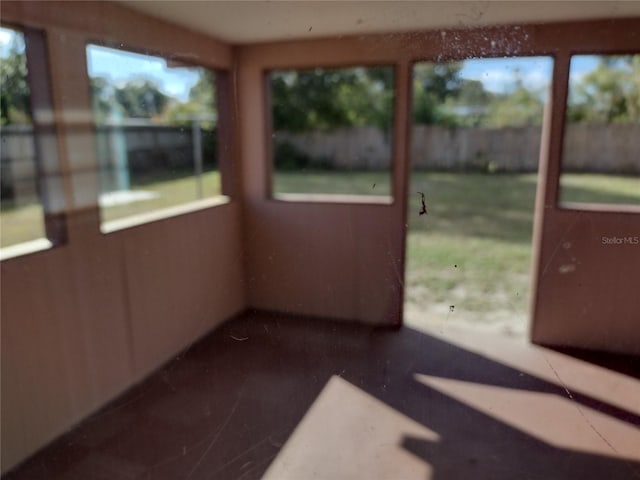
x,y
599,207
163,214
333,198
25,248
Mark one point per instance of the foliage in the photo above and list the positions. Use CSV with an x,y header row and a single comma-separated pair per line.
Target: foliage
x,y
14,94
518,108
201,104
609,93
288,157
442,97
330,98
101,98
434,84
144,99
325,99
141,99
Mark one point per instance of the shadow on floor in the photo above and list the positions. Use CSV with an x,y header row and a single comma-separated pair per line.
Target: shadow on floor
x,y
226,407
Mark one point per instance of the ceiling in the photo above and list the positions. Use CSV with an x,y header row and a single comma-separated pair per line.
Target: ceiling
x,y
241,22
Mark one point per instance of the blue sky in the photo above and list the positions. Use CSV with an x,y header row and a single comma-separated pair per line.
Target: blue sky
x,y
496,74
6,36
119,67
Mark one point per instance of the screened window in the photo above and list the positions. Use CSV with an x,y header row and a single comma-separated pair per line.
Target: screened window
x,y
601,154
332,131
22,215
156,131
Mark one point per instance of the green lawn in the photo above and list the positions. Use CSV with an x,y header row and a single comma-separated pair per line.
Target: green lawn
x,y
472,251
170,192
24,223
21,224
582,187
349,183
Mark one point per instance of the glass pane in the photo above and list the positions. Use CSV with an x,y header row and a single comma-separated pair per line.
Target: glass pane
x,y
22,213
332,130
156,131
601,156
475,148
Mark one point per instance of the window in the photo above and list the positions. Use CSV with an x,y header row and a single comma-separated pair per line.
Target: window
x,y
332,131
31,194
601,154
156,131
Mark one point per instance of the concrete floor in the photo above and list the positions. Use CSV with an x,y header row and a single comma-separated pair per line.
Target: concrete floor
x,y
268,396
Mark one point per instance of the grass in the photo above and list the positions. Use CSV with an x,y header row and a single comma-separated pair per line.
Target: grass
x,y
582,187
170,192
350,183
471,255
472,251
25,222
21,224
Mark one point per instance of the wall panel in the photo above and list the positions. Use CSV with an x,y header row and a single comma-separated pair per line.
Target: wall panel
x,y
326,258
88,319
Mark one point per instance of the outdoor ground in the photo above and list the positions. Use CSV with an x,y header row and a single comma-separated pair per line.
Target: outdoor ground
x,y
468,260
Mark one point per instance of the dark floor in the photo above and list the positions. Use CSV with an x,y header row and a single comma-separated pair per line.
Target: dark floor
x,y
290,398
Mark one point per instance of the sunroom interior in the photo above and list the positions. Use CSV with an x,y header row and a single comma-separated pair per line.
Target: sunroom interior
x,y
255,333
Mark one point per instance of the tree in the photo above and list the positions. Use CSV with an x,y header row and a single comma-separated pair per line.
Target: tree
x,y
472,92
141,99
204,91
14,94
609,93
519,108
468,106
102,98
330,98
433,85
200,106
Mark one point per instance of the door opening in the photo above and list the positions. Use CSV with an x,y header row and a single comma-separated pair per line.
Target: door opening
x,y
474,153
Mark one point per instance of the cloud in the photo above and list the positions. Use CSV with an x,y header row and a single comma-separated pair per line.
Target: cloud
x,y
119,67
5,36
499,75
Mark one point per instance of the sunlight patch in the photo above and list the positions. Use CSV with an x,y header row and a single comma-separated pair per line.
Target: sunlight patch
x,y
551,418
125,197
344,416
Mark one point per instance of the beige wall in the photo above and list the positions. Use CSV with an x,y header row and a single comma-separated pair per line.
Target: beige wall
x,y
340,258
588,289
86,320
585,290
309,250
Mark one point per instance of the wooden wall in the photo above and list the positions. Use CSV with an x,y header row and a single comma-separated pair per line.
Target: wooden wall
x,y
85,320
345,260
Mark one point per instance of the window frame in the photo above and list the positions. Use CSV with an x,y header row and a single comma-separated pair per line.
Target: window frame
x,y
327,198
570,206
224,139
49,181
